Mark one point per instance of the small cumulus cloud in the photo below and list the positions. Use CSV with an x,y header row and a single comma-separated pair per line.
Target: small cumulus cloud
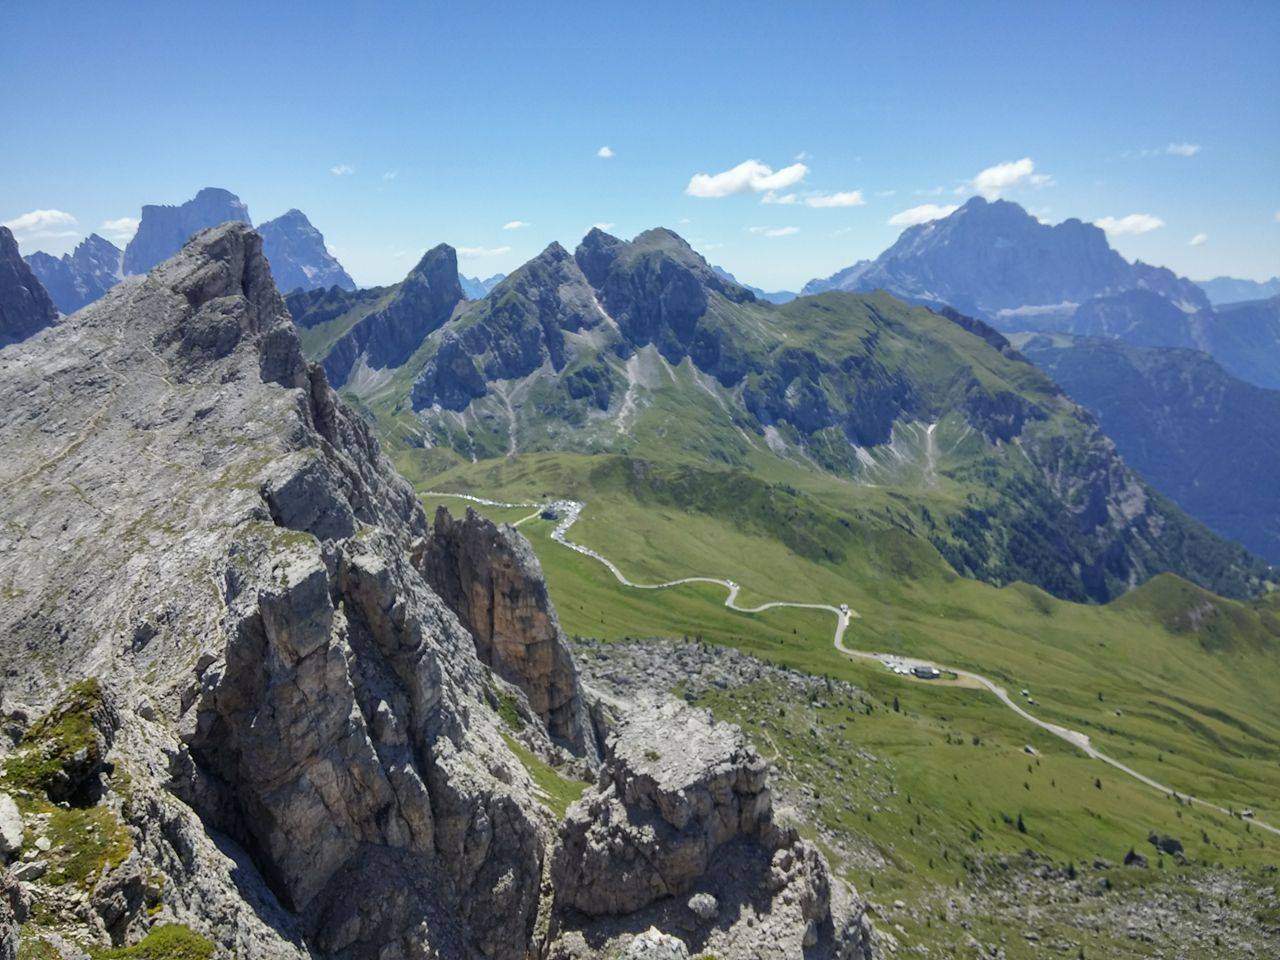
x,y
42,225
390,175
1134,223
342,170
773,231
802,156
120,231
750,176
1182,149
996,180
476,252
604,226
515,224
922,214
1199,240
604,153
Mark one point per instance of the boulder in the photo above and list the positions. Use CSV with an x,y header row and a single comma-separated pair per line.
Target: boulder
x,y
11,831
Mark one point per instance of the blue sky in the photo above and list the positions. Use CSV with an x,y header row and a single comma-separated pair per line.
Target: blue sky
x,y
397,126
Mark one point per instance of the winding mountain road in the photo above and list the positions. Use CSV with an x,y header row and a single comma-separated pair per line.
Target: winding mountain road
x,y
568,512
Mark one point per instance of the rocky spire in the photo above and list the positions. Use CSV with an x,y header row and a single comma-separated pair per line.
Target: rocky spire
x,y
25,307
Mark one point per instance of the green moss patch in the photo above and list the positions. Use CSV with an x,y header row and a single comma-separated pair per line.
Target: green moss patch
x,y
556,791
62,747
169,941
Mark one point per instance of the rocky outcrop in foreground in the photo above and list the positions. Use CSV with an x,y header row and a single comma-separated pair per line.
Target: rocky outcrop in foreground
x,y
679,834
282,740
25,307
255,707
490,577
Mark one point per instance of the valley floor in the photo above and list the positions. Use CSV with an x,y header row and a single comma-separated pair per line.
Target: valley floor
x,y
986,828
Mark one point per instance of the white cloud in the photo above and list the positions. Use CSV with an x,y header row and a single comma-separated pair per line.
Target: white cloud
x,y
390,175
773,231
844,198
750,175
604,226
42,225
1198,240
1132,224
994,181
515,225
341,170
604,153
1182,149
120,231
921,214
802,156
474,252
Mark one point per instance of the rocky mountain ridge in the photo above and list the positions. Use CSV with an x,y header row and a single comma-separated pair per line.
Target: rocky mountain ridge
x,y
283,729
82,276
295,248
582,352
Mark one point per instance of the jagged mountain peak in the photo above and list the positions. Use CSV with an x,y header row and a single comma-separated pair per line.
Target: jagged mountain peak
x,y
993,259
76,279
298,255
164,229
25,306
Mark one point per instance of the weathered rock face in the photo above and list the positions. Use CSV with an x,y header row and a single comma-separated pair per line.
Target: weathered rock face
x,y
490,577
191,516
388,336
676,787
25,307
299,259
77,279
164,229
679,833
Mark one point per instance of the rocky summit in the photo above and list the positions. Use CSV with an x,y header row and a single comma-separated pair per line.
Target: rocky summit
x,y
164,229
25,307
298,256
280,710
996,261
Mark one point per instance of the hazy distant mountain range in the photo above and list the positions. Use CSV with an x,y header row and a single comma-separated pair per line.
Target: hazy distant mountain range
x,y
294,248
994,260
78,278
1223,290
777,296
474,288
